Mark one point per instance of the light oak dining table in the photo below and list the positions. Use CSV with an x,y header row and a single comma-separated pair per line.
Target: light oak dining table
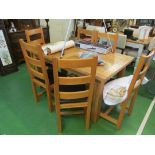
x,y
114,64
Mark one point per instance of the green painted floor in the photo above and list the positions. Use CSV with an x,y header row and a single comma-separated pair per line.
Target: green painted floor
x,y
150,125
20,115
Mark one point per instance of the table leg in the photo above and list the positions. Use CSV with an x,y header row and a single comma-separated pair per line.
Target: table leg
x,y
97,100
121,73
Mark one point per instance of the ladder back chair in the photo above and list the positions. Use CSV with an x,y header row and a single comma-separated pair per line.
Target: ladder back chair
x,y
132,83
109,37
35,36
37,70
85,32
74,99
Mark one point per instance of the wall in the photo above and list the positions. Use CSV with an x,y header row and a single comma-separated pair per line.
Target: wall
x,y
58,28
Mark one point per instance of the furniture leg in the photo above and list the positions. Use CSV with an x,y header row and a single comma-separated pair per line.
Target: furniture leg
x,y
122,73
121,115
85,112
97,104
49,99
35,92
59,123
88,117
59,115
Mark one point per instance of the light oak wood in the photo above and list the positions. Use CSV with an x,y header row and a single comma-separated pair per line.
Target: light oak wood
x,y
35,62
138,76
74,80
72,112
109,118
113,64
74,63
108,111
32,32
73,105
74,95
113,38
87,33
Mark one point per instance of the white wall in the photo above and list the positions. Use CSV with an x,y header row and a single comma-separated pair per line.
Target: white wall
x,y
58,28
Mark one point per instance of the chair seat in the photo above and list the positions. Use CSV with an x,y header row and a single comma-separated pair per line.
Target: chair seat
x,y
116,91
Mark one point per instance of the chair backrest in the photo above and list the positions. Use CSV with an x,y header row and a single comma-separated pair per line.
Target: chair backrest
x,y
35,62
32,34
121,43
113,38
151,44
86,33
80,80
141,70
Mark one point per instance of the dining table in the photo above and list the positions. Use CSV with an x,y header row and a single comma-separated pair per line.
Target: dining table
x,y
113,64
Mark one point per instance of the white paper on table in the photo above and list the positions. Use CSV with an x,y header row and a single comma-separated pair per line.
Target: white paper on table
x,y
56,47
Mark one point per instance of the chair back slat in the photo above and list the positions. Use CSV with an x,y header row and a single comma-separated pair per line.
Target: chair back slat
x,y
74,95
39,83
33,61
37,41
30,49
74,80
37,74
74,105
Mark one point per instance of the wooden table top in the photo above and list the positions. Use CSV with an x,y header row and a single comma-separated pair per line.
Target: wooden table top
x,y
113,63
144,41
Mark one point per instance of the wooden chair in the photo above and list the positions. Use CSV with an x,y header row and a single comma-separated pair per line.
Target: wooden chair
x,y
37,70
109,37
86,33
32,34
73,99
134,82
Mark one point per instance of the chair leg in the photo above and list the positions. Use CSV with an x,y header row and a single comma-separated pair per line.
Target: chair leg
x,y
85,112
121,115
59,123
49,98
122,51
132,102
35,92
88,117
